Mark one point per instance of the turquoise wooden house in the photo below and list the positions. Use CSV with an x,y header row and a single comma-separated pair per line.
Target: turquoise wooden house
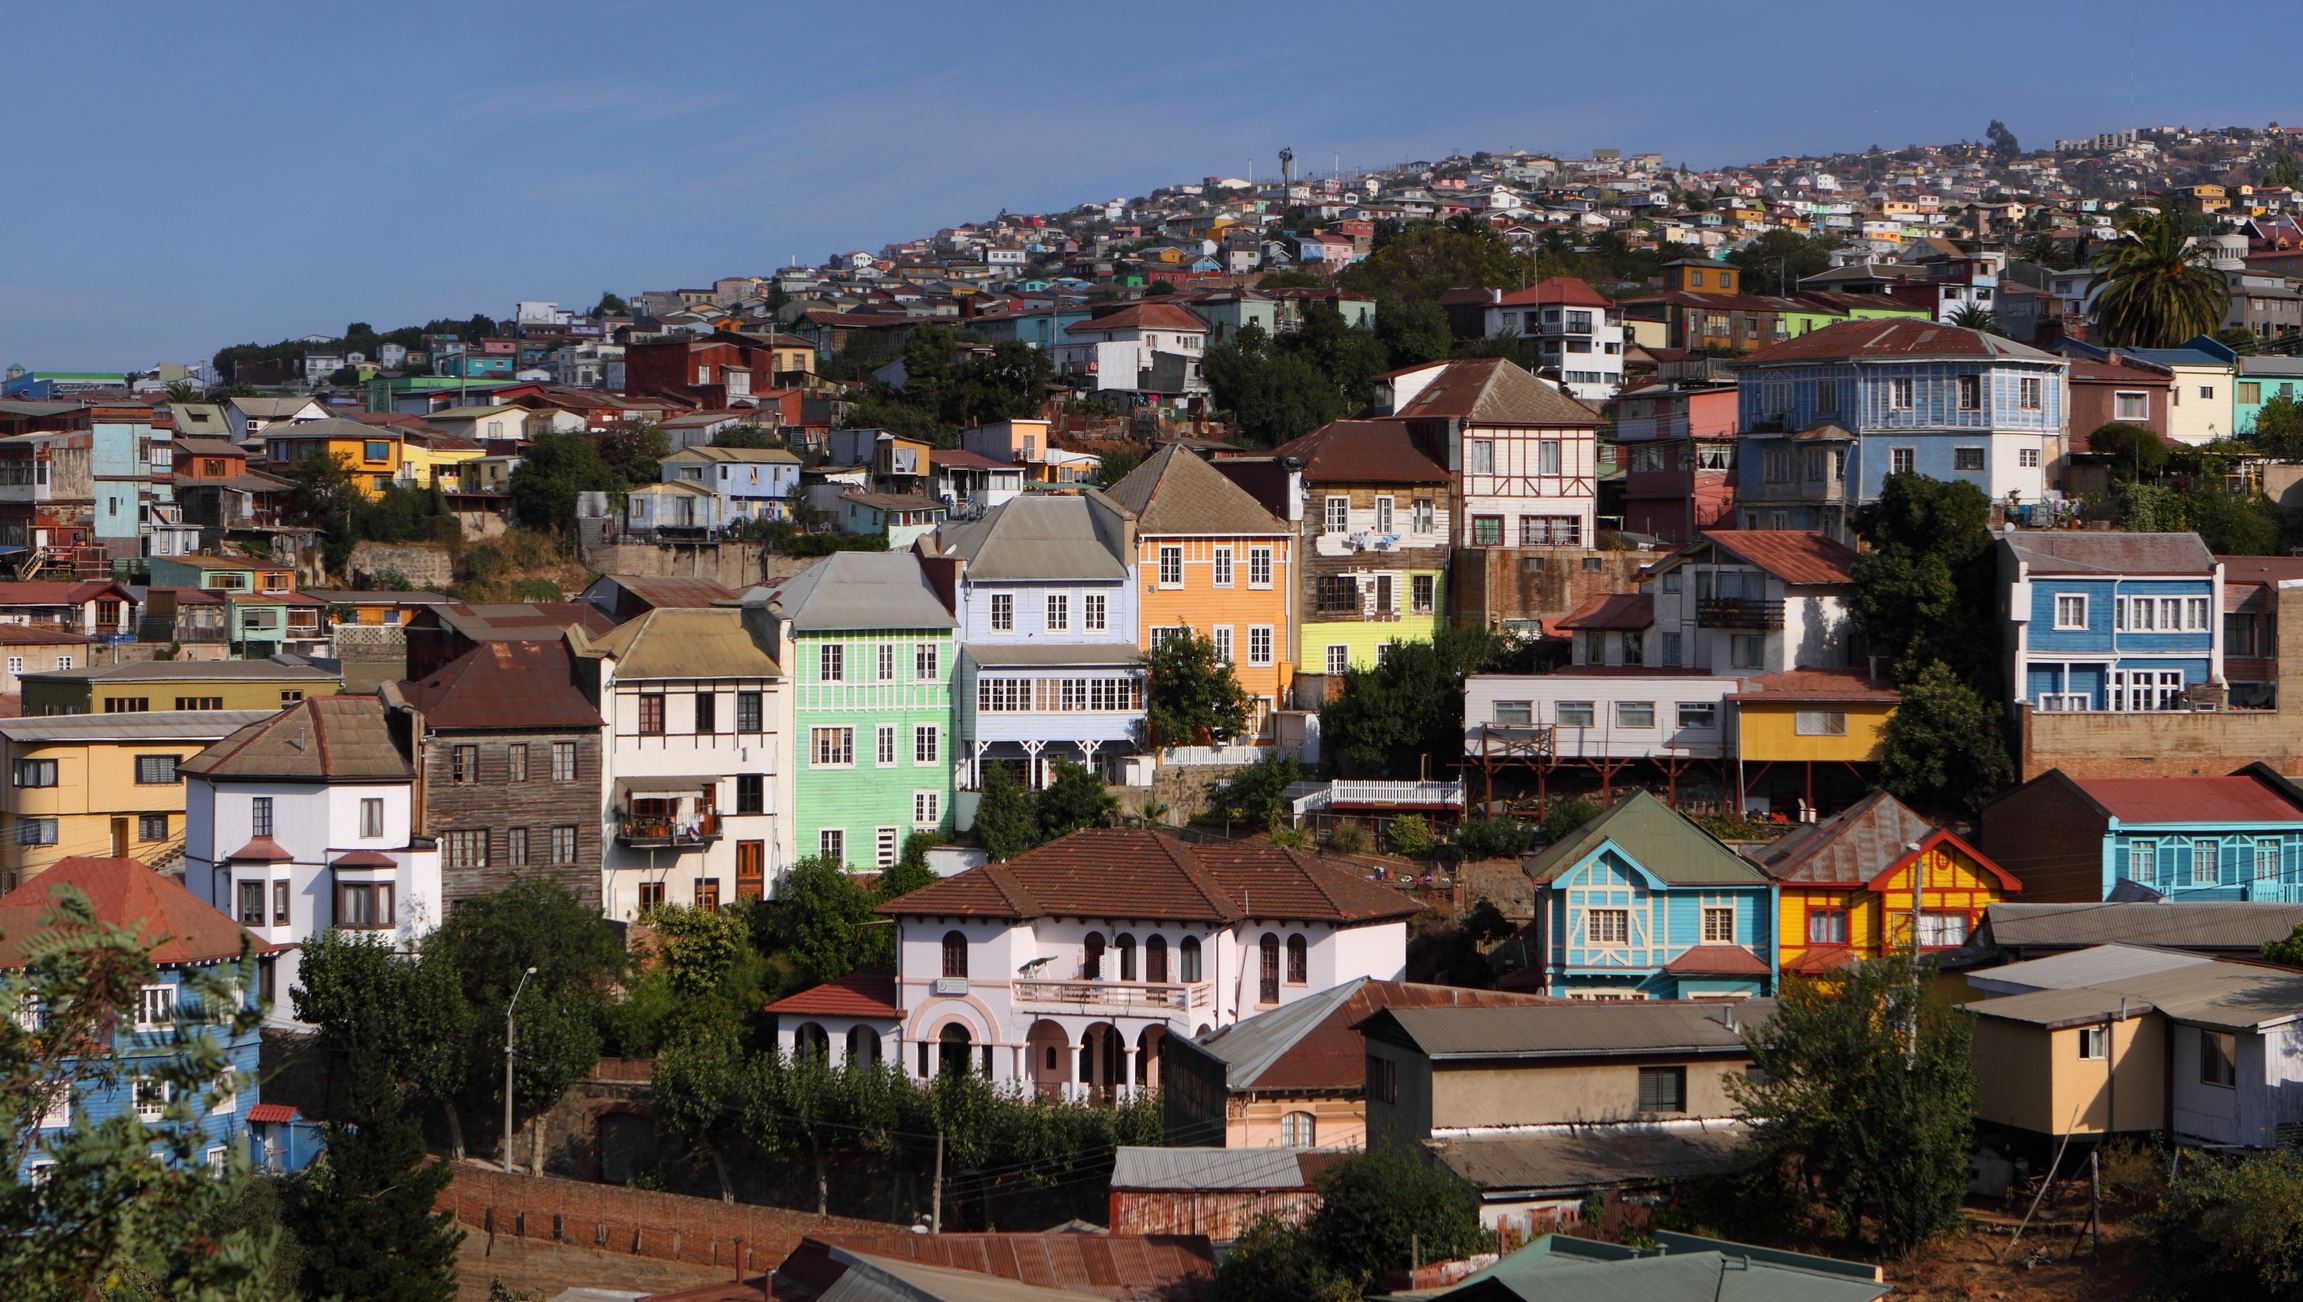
x,y
1640,903
185,937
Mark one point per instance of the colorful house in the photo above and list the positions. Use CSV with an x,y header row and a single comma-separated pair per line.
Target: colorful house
x,y
1845,885
1804,738
135,686
372,453
1210,559
1640,903
2110,621
868,650
2238,837
264,614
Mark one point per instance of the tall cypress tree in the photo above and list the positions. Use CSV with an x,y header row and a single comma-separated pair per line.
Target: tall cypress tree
x,y
364,1214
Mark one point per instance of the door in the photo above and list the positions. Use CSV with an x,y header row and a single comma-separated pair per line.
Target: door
x,y
119,838
751,869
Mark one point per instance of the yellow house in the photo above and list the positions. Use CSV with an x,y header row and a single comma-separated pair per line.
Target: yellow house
x,y
431,456
142,686
1844,885
374,453
373,608
1210,559
1804,730
100,784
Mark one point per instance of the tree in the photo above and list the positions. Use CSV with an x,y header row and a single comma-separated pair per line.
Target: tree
x,y
364,1214
2232,523
1975,316
1412,333
1929,578
911,871
405,1014
1945,746
2288,952
2283,170
1273,394
2132,452
1255,794
814,921
2278,428
2002,140
1006,822
1381,1208
697,946
698,1090
2239,339
1568,816
126,1200
1074,798
324,491
1420,262
2158,288
634,453
611,304
1350,357
1861,1101
2229,1226
1276,1261
1113,466
747,436
1404,714
1191,697
1774,262
554,468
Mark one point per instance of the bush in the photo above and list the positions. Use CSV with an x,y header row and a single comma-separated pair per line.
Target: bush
x,y
1253,795
1567,817
1347,839
1492,838
2232,1227
1408,835
1380,1208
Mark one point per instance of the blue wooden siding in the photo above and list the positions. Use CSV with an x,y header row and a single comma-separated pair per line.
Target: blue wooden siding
x,y
1666,922
2208,862
1863,397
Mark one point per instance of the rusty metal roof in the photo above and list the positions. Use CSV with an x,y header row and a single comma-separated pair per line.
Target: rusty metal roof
x,y
529,686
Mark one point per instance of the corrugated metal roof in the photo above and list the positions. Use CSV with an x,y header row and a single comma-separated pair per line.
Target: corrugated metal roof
x,y
2086,967
511,685
1571,1029
1678,1268
2086,552
1899,338
277,668
1661,839
1042,536
1278,1167
143,725
2226,995
2055,1008
338,738
2239,798
1363,452
1796,556
687,642
1310,1045
862,590
2175,924
1118,1266
1593,1156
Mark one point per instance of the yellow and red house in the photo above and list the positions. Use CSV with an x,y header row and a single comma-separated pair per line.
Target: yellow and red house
x,y
1844,885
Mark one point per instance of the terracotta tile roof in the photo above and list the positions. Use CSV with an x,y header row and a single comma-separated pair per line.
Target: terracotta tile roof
x,y
1135,873
1362,452
273,1112
1821,958
858,994
2235,799
1815,685
163,915
1174,492
1612,611
1792,555
363,859
1896,337
262,849
1563,290
1141,316
1494,391
1717,960
331,738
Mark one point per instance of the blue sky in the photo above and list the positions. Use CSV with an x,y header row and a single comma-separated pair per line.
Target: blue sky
x,y
187,176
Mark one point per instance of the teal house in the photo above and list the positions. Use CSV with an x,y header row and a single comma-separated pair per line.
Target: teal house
x,y
1640,903
869,651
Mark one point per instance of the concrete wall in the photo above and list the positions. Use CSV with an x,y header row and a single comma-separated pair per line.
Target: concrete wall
x,y
736,565
424,565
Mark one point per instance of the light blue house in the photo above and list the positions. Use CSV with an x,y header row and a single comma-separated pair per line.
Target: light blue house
x,y
751,483
1049,667
1826,417
2261,379
186,937
2110,621
2232,837
1642,904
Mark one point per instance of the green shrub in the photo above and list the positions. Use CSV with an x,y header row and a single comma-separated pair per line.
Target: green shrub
x,y
1408,835
1492,838
1347,839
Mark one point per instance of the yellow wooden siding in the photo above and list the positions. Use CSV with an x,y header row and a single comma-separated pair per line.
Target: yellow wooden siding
x,y
1881,920
1770,732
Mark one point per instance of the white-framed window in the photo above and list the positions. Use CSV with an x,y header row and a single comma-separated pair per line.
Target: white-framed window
x,y
832,844
2094,1043
2031,393
1698,714
1899,392
59,1111
1901,461
832,662
1298,1130
927,808
216,1161
2142,861
1942,930
1059,613
1338,514
927,663
1004,603
15,664
884,842
151,1098
2130,406
832,747
1819,723
2267,859
1635,714
1970,392
1222,635
1827,926
927,743
2027,458
1718,924
1479,457
155,1007
1171,567
2206,861
1425,516
1383,515
2071,610
1222,567
1092,612
1338,658
1259,567
887,667
1607,926
1513,712
1259,648
221,1094
1574,714
884,752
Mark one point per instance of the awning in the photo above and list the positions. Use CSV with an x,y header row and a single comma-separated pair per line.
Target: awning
x,y
667,786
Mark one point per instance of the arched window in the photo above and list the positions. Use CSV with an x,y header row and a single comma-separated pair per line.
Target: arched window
x,y
810,1041
955,955
1267,987
952,1050
1092,957
1155,960
1298,1130
1298,961
863,1046
1126,945
1188,953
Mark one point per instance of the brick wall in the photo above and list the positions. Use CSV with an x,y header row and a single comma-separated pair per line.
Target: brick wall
x,y
671,1227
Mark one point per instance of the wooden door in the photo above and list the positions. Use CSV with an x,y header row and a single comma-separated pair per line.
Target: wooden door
x,y
751,869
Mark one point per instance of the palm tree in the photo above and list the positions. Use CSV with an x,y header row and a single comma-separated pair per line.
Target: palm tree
x,y
2157,287
1974,316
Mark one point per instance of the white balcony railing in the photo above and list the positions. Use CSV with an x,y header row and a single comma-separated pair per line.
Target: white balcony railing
x,y
1084,994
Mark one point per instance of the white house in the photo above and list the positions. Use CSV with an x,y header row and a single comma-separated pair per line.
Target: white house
x,y
248,418
303,822
696,780
1578,334
1525,455
1061,970
751,483
1147,347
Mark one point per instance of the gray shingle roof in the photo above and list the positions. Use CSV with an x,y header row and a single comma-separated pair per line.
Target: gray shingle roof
x,y
141,725
862,590
1035,537
1174,492
1567,1030
2111,553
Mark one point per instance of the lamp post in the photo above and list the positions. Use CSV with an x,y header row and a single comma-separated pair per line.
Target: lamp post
x,y
1918,854
508,1056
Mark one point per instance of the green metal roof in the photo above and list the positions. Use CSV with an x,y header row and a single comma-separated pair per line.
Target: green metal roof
x,y
1658,838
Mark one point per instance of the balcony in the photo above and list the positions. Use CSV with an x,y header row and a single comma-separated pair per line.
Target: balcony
x,y
1110,996
1738,612
653,831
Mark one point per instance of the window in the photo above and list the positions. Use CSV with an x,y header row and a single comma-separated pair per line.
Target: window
x,y
372,816
2094,1043
1258,566
1487,531
2027,458
364,906
651,718
1819,723
1337,516
467,849
2207,392
564,761
1671,649
927,743
515,763
2070,610
885,748
2130,406
63,662
1187,959
376,450
1547,457
151,827
127,704
1003,612
2206,862
15,664
1298,1130
516,845
1514,712
751,793
1663,1089
887,660
1827,926
707,713
1298,961
1425,517
1059,613
155,1007
1338,658
1171,567
1550,531
1383,515
927,809
251,904
832,844
1092,612
1827,395
35,773
2031,393
1900,461
927,662
1382,1079
1423,593
832,747
2250,392
1267,985
2218,1061
260,816
151,1099
831,664
1635,714
1574,714
2267,859
1222,567
1970,392
35,831
1259,649
956,955
1942,930
1607,926
564,844
1967,459
1479,457
651,896
1718,924
464,761
1899,393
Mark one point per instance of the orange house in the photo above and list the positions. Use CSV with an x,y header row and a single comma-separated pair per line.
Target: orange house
x,y
1845,885
1211,559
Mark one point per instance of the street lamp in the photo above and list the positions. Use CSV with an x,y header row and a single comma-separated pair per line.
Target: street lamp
x,y
508,1056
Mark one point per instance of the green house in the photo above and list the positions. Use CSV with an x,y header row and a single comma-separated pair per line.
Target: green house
x,y
869,650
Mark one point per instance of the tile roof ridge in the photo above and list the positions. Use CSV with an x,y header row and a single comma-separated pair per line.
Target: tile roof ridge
x,y
1315,871
1202,878
1018,896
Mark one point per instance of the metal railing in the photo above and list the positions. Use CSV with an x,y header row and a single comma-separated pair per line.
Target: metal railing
x,y
1112,994
1370,792
1738,612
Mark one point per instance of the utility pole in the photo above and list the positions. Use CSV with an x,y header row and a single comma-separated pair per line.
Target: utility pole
x,y
1918,876
509,1053
936,1198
